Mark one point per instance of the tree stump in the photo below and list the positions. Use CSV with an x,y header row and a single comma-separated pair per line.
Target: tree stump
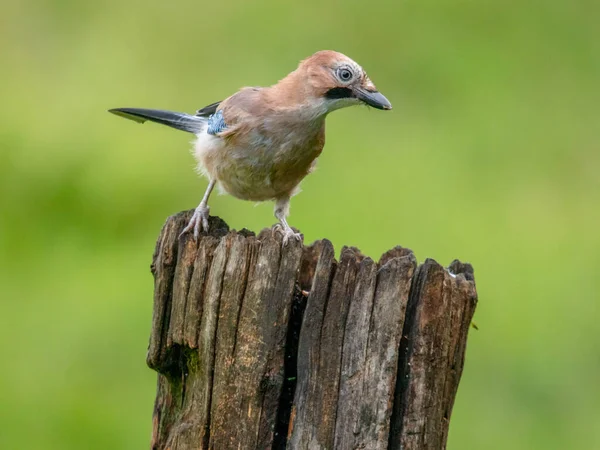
x,y
264,346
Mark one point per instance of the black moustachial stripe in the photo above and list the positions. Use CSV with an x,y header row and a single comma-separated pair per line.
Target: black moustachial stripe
x,y
339,92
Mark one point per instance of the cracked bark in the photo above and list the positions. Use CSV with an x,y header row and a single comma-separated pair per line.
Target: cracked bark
x,y
259,346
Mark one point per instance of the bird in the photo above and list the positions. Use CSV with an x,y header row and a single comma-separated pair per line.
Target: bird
x,y
261,142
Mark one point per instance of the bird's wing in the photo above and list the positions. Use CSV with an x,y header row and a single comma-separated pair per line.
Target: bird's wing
x,y
242,111
216,123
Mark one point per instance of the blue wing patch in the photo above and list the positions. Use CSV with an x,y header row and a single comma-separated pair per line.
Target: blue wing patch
x,y
216,123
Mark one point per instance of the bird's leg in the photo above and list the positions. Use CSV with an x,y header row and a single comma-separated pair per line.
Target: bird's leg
x,y
200,216
282,210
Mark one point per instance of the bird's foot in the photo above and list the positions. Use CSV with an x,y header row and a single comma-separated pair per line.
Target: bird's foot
x,y
198,221
287,233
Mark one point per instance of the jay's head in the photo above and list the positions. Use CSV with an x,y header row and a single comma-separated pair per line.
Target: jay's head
x,y
335,81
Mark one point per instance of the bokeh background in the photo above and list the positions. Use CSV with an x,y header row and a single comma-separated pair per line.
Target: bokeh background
x,y
491,155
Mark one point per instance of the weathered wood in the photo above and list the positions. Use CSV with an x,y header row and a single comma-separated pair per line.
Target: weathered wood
x,y
365,417
440,309
265,346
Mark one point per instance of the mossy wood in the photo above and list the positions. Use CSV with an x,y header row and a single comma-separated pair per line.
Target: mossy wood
x,y
264,346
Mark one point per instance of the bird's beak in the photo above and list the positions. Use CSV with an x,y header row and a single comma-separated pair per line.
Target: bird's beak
x,y
372,98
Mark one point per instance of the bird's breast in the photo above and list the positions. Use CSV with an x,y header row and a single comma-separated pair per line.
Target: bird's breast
x,y
264,161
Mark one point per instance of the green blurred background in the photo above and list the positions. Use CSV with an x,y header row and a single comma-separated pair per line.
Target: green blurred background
x,y
491,155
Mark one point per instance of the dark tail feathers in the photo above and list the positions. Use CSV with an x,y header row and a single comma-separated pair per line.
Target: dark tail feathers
x,y
179,121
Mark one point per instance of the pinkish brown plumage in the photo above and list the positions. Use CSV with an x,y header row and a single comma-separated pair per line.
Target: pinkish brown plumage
x,y
260,143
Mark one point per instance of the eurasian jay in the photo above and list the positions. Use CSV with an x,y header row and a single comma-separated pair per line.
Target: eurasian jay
x,y
261,142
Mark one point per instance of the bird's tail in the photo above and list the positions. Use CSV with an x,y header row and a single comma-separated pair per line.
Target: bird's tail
x,y
179,121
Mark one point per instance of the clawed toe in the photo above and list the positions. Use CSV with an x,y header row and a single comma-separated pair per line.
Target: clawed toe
x,y
198,222
287,233
291,234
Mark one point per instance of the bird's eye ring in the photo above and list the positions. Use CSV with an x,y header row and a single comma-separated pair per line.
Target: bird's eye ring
x,y
344,74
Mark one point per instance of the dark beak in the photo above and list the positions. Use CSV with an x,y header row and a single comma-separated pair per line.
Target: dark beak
x,y
372,98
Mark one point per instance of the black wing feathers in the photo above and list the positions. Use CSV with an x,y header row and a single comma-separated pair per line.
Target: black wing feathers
x,y
208,110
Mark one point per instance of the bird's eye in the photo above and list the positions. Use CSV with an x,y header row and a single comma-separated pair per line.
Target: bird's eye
x,y
344,74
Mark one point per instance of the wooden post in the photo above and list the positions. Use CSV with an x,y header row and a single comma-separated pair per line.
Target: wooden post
x,y
264,346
